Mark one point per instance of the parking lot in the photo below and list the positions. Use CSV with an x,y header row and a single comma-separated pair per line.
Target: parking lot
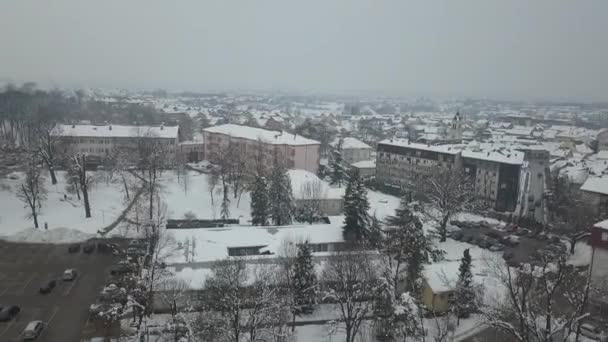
x,y
24,268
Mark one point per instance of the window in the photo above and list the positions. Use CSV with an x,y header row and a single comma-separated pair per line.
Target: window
x,y
605,236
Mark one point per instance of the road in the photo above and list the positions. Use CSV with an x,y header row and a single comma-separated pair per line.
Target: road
x,y
25,267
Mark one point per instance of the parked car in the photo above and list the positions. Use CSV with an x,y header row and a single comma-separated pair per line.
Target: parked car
x,y
121,269
89,248
8,312
75,248
555,239
493,235
497,248
593,332
522,232
69,274
484,244
468,238
136,251
33,330
112,293
510,240
456,236
48,286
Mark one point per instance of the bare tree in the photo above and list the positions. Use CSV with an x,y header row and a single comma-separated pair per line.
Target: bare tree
x,y
174,293
449,192
351,281
243,304
48,138
153,156
32,191
544,302
79,170
309,201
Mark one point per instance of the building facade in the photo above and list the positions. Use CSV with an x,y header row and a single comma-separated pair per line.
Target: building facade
x,y
602,140
100,141
496,171
295,151
353,150
599,260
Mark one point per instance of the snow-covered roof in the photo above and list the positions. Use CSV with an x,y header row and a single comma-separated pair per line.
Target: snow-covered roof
x,y
349,142
603,155
364,164
448,149
498,154
116,131
602,225
301,177
212,244
597,185
267,136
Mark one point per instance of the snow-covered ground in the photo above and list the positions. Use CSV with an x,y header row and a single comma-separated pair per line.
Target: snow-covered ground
x,y
107,202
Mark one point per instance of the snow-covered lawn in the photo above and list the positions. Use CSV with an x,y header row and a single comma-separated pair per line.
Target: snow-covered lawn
x,y
107,202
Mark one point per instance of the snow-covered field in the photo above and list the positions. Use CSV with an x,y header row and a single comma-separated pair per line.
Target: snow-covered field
x,y
107,202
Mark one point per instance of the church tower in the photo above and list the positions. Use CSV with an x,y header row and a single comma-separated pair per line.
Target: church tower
x,y
455,129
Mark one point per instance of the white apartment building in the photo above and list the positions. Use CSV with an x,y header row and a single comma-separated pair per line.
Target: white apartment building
x,y
100,141
296,151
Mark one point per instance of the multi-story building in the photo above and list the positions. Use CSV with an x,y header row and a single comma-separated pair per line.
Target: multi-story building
x,y
353,150
595,194
599,261
296,151
602,140
100,141
400,163
496,171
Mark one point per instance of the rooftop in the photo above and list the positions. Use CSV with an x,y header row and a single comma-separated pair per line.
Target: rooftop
x,y
349,142
267,136
493,153
448,149
598,185
116,131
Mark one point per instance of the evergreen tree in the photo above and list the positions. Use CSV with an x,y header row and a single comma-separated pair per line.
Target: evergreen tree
x,y
464,294
409,247
336,163
281,195
259,201
356,206
376,235
305,284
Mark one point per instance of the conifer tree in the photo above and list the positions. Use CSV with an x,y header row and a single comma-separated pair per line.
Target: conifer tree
x,y
281,195
356,206
464,294
336,162
305,280
259,201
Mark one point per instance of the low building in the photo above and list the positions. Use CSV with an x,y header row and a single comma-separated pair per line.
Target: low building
x,y
309,190
367,168
595,194
353,150
294,150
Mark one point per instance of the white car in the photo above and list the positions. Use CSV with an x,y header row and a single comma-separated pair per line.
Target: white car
x,y
33,330
69,274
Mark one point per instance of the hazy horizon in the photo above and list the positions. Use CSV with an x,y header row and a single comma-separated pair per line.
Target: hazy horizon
x,y
518,50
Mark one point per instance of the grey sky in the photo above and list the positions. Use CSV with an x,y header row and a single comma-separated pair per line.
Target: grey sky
x,y
550,49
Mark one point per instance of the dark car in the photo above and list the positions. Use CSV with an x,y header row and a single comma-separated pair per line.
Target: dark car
x,y
493,235
75,248
8,312
48,286
457,236
89,248
468,238
121,269
484,244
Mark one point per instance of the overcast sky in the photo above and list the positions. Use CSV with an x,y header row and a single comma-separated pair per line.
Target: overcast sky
x,y
515,49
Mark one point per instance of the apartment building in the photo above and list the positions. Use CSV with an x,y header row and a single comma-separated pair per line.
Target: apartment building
x,y
496,170
400,162
599,261
100,140
296,151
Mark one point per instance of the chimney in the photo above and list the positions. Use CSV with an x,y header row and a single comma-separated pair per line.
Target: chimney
x,y
73,126
488,154
110,127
